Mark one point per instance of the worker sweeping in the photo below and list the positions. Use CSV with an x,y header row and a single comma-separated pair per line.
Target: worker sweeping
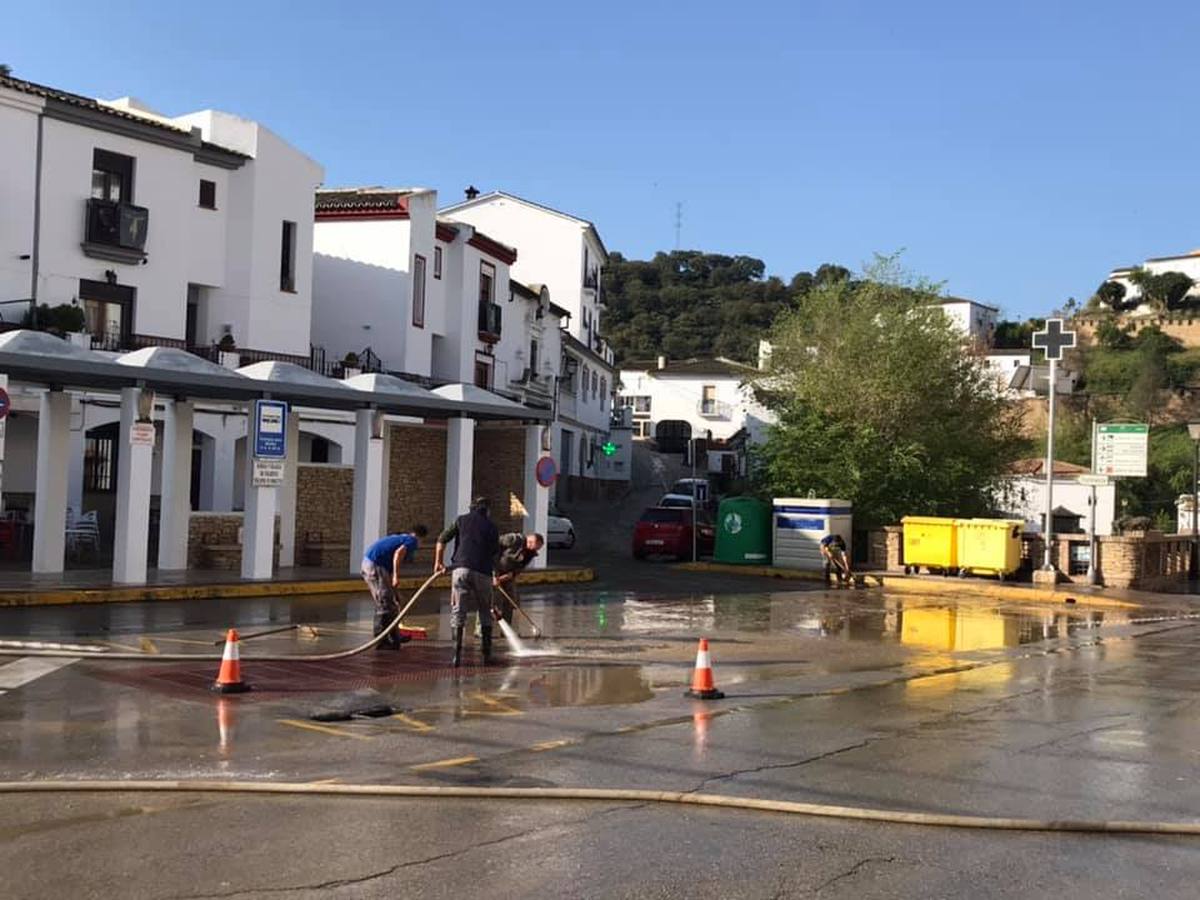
x,y
833,551
517,551
476,546
381,571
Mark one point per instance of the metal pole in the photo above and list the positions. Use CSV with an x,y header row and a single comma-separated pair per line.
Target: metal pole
x,y
1091,570
1048,529
695,526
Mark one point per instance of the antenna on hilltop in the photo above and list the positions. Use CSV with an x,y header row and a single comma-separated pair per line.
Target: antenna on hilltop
x,y
678,221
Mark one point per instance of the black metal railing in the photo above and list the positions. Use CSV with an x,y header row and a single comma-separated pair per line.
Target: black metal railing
x,y
114,224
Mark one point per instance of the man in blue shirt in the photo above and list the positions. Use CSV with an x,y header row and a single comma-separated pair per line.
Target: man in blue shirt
x,y
381,571
833,551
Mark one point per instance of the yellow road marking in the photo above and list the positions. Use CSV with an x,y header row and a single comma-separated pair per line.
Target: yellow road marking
x,y
141,649
323,729
326,781
505,709
414,724
171,640
445,763
552,745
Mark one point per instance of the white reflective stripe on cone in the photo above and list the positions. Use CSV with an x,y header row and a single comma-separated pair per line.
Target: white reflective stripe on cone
x,y
231,651
702,660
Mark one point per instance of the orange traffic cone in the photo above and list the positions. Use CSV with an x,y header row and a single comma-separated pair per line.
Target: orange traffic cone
x,y
702,676
229,679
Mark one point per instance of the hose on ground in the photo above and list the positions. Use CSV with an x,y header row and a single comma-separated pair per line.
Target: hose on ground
x,y
91,652
607,795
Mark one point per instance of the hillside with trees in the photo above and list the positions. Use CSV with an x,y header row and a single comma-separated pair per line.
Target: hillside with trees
x,y
687,303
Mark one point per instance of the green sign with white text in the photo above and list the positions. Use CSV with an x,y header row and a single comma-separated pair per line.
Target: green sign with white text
x,y
1121,450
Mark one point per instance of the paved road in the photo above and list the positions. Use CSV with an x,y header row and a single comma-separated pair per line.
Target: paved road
x,y
845,697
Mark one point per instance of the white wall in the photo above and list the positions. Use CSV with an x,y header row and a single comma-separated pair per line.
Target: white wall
x,y
675,397
18,146
362,289
976,321
1025,497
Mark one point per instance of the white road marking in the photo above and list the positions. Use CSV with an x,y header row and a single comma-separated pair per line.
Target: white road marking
x,y
21,671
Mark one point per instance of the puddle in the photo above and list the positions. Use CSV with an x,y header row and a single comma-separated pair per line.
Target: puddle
x,y
591,686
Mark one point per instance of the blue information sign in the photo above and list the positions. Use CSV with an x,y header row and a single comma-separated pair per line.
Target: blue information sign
x,y
270,429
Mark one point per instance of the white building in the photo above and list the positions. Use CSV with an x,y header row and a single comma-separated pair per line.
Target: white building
x,y
565,254
977,321
1023,494
1186,263
674,400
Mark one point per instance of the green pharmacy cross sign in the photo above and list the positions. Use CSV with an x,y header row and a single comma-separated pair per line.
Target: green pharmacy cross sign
x,y
608,448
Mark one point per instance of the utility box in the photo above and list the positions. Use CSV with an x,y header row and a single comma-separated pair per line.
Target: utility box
x,y
799,523
743,532
930,541
989,546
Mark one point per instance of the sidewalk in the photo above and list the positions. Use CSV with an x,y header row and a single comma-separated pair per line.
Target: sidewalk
x,y
898,582
97,586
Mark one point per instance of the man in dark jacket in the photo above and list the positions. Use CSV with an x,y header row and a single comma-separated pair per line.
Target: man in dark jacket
x,y
516,552
476,544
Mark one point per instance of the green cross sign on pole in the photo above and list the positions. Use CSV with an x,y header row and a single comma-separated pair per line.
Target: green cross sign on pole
x,y
608,448
1053,339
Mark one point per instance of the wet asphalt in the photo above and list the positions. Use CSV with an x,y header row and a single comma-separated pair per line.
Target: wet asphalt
x,y
846,697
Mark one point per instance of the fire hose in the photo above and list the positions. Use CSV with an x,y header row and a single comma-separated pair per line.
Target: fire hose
x,y
608,795
99,652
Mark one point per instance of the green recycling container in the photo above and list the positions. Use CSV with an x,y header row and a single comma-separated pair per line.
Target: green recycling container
x,y
743,532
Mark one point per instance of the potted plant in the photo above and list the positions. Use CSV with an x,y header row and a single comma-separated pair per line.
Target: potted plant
x,y
227,352
350,365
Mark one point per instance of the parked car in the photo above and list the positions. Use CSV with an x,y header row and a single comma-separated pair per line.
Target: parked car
x,y
679,501
688,486
560,531
667,531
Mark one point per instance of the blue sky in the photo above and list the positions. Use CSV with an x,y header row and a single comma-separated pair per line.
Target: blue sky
x,y
1016,151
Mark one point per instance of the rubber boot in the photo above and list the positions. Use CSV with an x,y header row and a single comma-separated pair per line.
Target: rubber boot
x,y
457,634
392,641
485,644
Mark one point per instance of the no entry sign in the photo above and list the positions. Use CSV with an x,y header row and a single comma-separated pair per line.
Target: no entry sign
x,y
546,471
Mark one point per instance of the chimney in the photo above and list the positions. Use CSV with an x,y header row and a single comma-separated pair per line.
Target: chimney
x,y
662,362
472,192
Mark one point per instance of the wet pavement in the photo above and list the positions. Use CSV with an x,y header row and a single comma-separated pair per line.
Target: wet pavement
x,y
848,697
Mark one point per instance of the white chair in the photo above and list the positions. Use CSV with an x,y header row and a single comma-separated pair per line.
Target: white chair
x,y
83,531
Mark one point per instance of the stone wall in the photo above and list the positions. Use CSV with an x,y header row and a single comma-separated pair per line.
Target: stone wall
x,y
499,473
324,500
1184,328
417,478
886,549
215,539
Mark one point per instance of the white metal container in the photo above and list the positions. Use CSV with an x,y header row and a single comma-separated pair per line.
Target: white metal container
x,y
799,524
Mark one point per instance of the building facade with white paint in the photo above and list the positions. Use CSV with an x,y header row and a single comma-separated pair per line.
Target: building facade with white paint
x,y
976,321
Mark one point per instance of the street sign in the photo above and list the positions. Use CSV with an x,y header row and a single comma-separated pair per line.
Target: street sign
x,y
5,403
546,471
1053,339
267,473
1122,450
1091,480
270,429
141,434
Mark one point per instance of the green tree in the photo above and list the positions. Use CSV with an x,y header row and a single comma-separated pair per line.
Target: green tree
x,y
1163,290
1111,294
5,70
877,403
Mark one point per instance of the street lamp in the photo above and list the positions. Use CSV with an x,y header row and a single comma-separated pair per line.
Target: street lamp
x,y
1194,556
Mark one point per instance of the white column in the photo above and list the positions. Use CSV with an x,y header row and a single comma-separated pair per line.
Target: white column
x,y
366,525
460,458
50,502
385,482
258,523
287,493
78,445
134,465
175,499
536,499
224,455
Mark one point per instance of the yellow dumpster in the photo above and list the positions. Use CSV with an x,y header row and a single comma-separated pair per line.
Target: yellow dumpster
x,y
989,546
931,542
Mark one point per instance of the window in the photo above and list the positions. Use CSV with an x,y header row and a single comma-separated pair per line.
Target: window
x,y
287,258
437,262
533,357
483,372
595,384
100,459
584,385
636,403
320,450
112,176
208,194
708,401
487,282
603,394
108,313
418,295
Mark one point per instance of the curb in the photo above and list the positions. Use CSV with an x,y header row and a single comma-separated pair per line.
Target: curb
x,y
234,590
908,584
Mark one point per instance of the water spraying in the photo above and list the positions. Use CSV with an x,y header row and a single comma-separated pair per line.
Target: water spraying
x,y
517,646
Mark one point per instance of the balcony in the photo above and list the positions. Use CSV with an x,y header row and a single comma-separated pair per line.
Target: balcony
x,y
714,409
115,231
591,280
489,322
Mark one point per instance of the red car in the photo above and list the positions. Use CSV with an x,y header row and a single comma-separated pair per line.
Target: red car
x,y
667,531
